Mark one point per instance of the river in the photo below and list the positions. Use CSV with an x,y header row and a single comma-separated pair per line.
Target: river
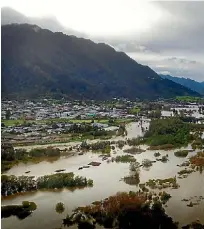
x,y
107,181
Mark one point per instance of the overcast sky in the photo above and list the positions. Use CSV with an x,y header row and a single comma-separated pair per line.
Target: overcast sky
x,y
167,36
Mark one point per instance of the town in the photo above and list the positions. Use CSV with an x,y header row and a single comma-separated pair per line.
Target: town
x,y
52,121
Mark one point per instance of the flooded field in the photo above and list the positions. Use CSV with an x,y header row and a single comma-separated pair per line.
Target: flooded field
x,y
193,108
107,181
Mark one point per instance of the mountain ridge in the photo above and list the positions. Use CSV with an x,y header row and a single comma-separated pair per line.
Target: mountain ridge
x,y
36,62
187,82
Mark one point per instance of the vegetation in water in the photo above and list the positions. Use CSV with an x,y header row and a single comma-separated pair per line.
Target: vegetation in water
x,y
185,171
11,157
169,131
194,225
135,141
59,208
146,163
162,147
198,159
20,211
164,197
132,179
134,150
164,158
100,146
120,144
181,153
125,158
12,184
198,144
124,210
134,166
143,188
162,183
157,154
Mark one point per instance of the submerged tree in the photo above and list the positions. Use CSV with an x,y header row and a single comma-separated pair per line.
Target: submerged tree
x,y
59,208
123,211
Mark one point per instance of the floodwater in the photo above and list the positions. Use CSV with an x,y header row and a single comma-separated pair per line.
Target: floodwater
x,y
193,108
107,181
133,130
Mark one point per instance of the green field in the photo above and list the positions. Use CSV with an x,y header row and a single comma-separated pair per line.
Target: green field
x,y
55,120
134,110
12,122
189,99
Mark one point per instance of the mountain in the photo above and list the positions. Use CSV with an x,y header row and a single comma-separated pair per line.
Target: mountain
x,y
37,62
11,16
186,82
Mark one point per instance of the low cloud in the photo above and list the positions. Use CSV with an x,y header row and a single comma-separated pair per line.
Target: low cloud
x,y
175,44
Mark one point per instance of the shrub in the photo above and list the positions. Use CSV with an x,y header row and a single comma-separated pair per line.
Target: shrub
x,y
181,153
198,159
59,208
125,158
133,179
126,210
134,166
134,150
164,159
165,197
146,163
157,154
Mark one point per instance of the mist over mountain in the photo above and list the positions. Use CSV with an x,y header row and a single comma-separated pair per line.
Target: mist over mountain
x,y
186,82
172,42
36,62
10,16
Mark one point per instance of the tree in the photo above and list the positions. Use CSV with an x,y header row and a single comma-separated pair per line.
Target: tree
x,y
111,121
8,114
155,114
146,163
134,166
59,208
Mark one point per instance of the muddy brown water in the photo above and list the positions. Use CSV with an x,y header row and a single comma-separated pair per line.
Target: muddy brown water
x,y
107,181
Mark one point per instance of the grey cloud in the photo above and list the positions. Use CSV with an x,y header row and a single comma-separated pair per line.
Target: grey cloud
x,y
175,44
181,68
182,60
9,15
171,65
131,47
182,30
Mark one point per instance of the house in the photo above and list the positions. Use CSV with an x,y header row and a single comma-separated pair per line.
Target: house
x,y
99,125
